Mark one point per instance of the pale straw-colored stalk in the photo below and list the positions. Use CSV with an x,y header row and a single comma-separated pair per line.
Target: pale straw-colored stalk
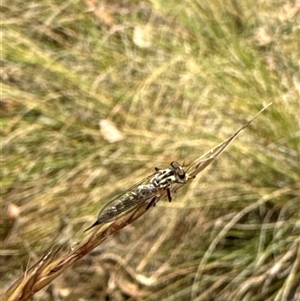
x,y
55,261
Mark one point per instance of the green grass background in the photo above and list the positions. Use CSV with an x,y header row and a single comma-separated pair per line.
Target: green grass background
x,y
176,78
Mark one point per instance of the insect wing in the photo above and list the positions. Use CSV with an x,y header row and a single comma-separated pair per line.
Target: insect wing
x,y
127,201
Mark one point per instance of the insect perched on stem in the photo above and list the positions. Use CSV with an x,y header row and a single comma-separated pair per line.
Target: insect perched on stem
x,y
149,189
153,187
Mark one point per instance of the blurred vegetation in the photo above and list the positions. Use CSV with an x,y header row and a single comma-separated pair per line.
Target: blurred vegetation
x,y
176,78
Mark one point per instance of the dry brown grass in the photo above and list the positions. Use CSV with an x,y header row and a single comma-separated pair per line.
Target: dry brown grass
x,y
175,79
53,263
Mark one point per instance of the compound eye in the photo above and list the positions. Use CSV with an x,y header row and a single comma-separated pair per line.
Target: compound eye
x,y
181,173
175,165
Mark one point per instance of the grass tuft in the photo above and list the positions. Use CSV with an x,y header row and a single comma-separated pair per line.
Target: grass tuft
x,y
175,79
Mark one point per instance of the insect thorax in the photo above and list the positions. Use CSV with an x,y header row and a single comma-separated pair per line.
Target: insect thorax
x,y
164,178
144,191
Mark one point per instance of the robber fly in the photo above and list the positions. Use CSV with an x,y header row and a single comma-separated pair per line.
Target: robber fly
x,y
149,189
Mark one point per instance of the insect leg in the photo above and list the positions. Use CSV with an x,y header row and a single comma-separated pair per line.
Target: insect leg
x,y
152,203
169,195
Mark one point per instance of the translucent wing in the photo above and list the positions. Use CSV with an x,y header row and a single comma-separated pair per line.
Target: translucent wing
x,y
127,201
